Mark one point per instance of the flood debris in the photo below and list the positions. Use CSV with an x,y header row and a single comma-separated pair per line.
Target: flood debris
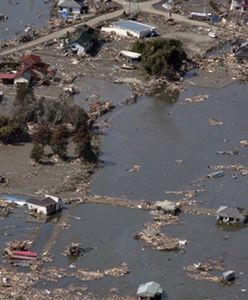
x,y
152,236
214,122
134,168
231,152
139,204
99,108
206,271
75,249
215,174
168,207
239,169
244,143
197,99
4,211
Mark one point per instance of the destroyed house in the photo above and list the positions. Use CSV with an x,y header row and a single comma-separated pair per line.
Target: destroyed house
x,y
149,291
83,41
231,215
7,78
45,206
70,7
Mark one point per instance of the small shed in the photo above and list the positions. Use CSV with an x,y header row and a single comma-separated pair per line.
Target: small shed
x,y
48,205
149,291
231,215
133,28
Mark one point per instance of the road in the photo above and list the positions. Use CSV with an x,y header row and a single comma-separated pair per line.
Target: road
x,y
143,7
57,34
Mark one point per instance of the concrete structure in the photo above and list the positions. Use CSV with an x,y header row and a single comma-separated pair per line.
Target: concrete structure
x,y
149,290
133,28
231,215
70,7
46,206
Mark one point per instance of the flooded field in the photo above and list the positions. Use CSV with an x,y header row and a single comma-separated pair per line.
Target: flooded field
x,y
176,147
21,14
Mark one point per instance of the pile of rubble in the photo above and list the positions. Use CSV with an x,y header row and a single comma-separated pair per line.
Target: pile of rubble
x,y
239,169
204,271
153,237
229,63
141,204
75,249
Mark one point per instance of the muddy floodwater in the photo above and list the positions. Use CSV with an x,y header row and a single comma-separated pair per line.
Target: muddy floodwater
x,y
176,147
21,14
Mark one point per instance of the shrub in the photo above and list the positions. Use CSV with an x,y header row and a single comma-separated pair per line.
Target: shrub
x,y
59,141
43,135
12,131
37,152
160,55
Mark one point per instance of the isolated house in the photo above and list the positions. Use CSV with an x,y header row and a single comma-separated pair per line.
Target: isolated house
x,y
83,41
133,28
46,206
231,215
149,291
70,7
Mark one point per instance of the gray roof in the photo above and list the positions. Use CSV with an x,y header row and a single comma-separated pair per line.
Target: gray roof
x,y
230,212
71,3
133,26
149,289
41,202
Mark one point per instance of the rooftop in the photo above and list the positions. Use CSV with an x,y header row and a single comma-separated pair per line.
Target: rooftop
x,y
41,202
149,289
133,26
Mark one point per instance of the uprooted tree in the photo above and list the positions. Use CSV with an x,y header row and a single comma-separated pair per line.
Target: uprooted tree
x,y
160,56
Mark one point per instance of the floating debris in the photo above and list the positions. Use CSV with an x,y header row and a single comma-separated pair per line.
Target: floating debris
x,y
214,122
244,143
135,168
197,99
203,271
216,174
231,152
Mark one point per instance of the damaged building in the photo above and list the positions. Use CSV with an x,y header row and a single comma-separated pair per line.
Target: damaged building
x,y
231,215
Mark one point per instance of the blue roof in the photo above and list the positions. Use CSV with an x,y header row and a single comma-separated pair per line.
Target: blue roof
x,y
133,26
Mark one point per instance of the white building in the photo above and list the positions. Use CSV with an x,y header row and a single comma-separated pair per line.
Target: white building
x,y
46,206
133,28
70,7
